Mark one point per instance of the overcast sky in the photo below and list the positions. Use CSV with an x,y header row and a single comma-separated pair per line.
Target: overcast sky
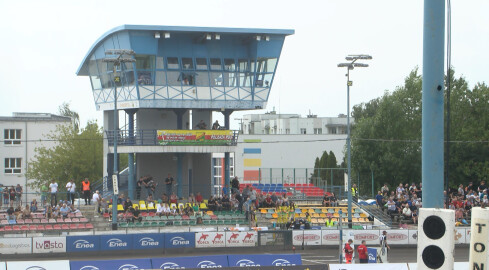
x,y
44,42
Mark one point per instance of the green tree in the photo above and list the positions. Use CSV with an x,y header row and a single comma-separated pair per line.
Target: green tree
x,y
65,110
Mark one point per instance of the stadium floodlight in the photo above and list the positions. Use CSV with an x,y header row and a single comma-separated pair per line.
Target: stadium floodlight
x,y
349,66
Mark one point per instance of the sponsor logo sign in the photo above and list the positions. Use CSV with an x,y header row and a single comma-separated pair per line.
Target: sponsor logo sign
x,y
48,244
111,265
116,242
240,239
217,261
82,243
195,137
38,265
309,237
264,260
148,241
372,255
210,239
180,240
413,237
396,237
15,245
330,237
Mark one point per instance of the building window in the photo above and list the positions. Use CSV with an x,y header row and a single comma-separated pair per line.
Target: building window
x,y
332,130
318,131
13,165
11,136
303,131
287,131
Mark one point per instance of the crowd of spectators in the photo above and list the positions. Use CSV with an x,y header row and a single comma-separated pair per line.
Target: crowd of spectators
x,y
404,201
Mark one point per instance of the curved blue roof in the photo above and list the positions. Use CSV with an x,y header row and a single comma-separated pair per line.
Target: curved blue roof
x,y
163,28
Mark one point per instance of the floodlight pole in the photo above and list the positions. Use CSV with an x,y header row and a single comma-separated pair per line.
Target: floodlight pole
x,y
350,65
117,61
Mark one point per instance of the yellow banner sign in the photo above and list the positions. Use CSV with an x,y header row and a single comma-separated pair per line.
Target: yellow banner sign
x,y
195,137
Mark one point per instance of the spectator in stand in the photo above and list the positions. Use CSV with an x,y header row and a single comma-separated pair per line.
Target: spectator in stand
x,y
48,211
18,194
64,210
12,196
216,125
285,200
74,210
96,199
245,193
211,203
189,211
53,189
226,203
461,191
333,200
70,191
166,210
165,198
239,198
11,213
201,125
399,190
482,187
391,207
380,200
169,181
191,199
274,199
149,199
173,198
127,204
26,212
385,190
196,209
234,203
326,201
252,194
139,186
198,198
268,202
136,214
225,190
459,217
173,211
235,185
87,188
415,216
469,187
33,207
6,195
406,212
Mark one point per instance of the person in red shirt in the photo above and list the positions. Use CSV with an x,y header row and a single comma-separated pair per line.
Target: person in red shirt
x,y
348,251
362,252
198,198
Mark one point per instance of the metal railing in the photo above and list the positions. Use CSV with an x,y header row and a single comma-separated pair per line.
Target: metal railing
x,y
42,198
149,137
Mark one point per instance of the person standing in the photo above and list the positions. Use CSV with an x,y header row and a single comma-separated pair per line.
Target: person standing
x,y
53,189
44,194
363,252
139,185
348,251
235,185
86,191
97,201
169,184
70,191
382,254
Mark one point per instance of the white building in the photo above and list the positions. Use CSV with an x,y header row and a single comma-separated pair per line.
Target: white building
x,y
22,133
283,147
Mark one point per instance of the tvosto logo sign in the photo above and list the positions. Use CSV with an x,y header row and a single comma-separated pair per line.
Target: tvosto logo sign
x,y
82,243
115,242
217,261
111,265
180,240
15,245
264,260
48,244
148,241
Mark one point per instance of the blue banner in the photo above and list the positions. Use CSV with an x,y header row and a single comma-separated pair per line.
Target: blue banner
x,y
148,241
264,260
82,243
372,255
111,265
115,242
180,240
217,261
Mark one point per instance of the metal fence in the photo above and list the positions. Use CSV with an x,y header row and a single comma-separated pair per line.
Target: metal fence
x,y
269,239
42,198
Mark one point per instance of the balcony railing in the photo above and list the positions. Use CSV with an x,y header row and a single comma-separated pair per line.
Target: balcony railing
x,y
151,137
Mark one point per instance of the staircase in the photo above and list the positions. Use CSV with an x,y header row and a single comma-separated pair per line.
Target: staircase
x,y
99,222
376,212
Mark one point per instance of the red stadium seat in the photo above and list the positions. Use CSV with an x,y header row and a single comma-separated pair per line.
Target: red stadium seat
x,y
48,227
83,219
73,226
55,227
65,227
41,227
16,228
89,226
8,228
81,226
24,228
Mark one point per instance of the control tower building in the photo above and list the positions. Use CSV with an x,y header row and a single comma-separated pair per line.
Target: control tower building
x,y
181,75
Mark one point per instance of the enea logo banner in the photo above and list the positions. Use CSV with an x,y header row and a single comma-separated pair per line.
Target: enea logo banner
x,y
195,137
148,241
180,240
264,260
82,243
116,242
111,265
217,261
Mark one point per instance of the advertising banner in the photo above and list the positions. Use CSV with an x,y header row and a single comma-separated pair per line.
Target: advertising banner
x,y
460,235
396,237
468,235
148,241
371,237
241,239
309,237
217,261
180,240
49,245
110,265
3,266
413,237
264,260
115,242
195,137
330,237
38,265
210,239
82,243
387,266
15,245
372,255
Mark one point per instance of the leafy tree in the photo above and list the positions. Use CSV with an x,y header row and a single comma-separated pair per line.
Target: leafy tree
x,y
65,110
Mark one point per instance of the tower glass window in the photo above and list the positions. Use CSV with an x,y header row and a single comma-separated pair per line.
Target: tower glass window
x,y
145,61
173,63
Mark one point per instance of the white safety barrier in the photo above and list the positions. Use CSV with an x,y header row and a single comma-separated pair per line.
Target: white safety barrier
x,y
386,266
46,265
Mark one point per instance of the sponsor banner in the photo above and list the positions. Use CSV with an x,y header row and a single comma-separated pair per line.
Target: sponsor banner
x,y
460,235
370,236
195,137
241,239
3,266
82,243
210,239
38,265
396,237
15,245
468,235
456,266
264,260
372,255
148,241
385,266
48,244
180,240
115,242
110,265
413,237
309,237
217,261
330,237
